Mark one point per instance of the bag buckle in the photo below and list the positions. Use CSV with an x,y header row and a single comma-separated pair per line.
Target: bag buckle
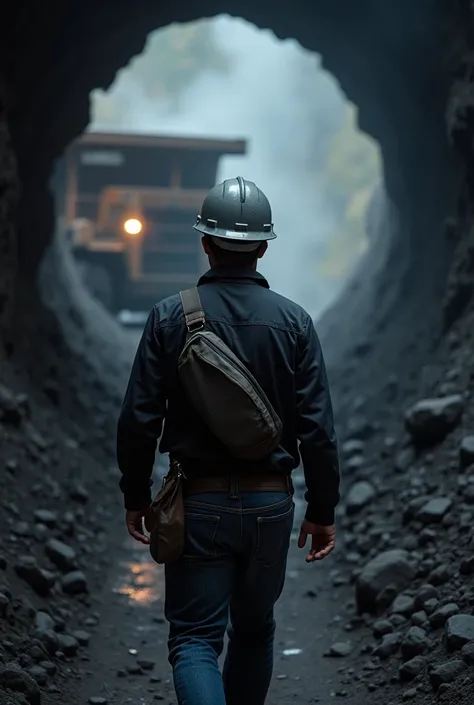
x,y
195,326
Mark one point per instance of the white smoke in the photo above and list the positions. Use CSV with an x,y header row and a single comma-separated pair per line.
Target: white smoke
x,y
280,100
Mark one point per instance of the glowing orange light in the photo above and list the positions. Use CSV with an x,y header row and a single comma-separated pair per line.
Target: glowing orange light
x,y
133,226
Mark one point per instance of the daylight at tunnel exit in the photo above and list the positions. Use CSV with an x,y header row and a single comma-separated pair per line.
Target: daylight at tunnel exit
x,y
237,353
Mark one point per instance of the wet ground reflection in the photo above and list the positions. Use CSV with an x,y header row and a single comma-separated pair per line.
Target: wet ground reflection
x,y
141,580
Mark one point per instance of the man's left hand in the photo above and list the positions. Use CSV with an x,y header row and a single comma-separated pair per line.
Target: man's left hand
x,y
135,523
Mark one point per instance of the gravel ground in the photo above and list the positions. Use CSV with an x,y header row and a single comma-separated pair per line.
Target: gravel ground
x,y
387,618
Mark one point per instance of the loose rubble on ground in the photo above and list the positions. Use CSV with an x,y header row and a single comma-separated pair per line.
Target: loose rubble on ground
x,y
53,547
404,562
407,530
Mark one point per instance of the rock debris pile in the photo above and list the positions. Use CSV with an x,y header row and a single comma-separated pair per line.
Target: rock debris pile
x,y
53,548
408,533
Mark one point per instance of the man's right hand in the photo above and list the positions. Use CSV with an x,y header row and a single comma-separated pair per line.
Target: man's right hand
x,y
323,539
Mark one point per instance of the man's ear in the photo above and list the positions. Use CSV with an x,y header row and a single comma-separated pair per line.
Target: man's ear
x,y
205,244
262,249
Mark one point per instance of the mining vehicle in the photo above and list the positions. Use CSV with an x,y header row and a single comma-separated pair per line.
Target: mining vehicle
x,y
127,204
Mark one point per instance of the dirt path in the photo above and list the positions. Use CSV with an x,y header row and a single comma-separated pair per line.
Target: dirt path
x,y
128,658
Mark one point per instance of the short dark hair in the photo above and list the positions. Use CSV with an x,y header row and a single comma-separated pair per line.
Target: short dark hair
x,y
231,258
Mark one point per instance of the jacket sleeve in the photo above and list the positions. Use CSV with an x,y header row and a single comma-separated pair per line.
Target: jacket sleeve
x,y
315,430
141,418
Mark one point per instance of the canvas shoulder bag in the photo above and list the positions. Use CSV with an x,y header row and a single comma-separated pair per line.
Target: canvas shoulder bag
x,y
224,393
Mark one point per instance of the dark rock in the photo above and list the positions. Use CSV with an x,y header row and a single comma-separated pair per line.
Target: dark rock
x,y
447,672
467,566
425,593
21,528
431,605
12,466
148,665
40,580
93,621
62,555
398,620
466,452
359,495
389,568
360,428
385,597
409,694
389,646
82,637
43,620
409,543
440,575
404,604
39,674
415,643
78,493
468,494
37,652
25,661
438,619
412,668
459,630
49,667
18,681
404,459
467,652
10,410
351,448
434,510
412,509
426,536
430,420
420,619
339,649
382,627
4,602
59,621
68,645
48,638
46,517
74,583
353,464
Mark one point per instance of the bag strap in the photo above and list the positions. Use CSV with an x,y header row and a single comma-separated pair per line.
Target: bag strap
x,y
193,310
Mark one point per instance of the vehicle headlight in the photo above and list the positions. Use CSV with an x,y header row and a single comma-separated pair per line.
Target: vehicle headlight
x,y
133,226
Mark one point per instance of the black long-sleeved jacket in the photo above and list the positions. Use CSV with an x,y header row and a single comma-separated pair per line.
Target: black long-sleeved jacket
x,y
277,341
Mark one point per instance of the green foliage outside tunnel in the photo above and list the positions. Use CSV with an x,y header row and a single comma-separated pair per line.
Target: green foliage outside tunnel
x,y
352,172
171,61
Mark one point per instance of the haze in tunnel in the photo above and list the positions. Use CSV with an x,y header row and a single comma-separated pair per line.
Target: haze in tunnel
x,y
305,150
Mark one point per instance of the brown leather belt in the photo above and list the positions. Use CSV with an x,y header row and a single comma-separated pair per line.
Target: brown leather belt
x,y
238,483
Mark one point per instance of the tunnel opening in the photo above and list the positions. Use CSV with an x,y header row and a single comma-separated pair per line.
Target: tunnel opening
x,y
292,131
390,64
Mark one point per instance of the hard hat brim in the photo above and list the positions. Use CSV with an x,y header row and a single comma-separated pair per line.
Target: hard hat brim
x,y
247,236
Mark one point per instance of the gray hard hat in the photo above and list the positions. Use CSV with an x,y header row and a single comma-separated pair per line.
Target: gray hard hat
x,y
237,214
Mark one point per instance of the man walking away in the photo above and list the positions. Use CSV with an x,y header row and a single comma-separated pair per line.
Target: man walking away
x,y
238,513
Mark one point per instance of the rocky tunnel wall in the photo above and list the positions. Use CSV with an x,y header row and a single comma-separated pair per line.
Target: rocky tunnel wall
x,y
393,62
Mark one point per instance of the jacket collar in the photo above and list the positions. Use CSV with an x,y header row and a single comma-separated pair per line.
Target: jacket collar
x,y
233,274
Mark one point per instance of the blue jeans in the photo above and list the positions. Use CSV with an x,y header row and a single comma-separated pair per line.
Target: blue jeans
x,y
233,566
